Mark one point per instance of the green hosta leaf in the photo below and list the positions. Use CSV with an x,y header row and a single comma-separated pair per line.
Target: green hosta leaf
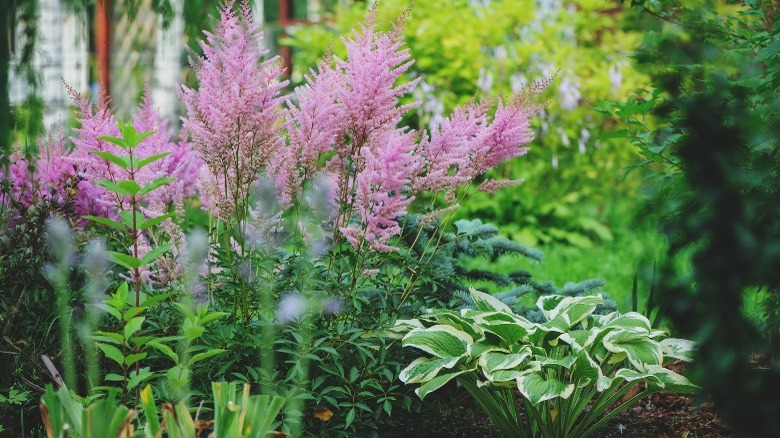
x,y
149,223
107,222
423,369
164,349
493,361
681,349
133,326
441,341
112,186
149,160
115,140
639,349
537,389
155,184
131,359
123,162
205,355
157,252
112,353
480,348
437,382
125,260
671,381
488,302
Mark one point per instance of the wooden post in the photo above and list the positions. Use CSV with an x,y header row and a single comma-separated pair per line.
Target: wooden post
x,y
103,45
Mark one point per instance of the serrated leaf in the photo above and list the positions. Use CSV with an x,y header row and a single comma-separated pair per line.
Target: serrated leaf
x,y
155,184
112,353
164,349
205,355
148,223
112,186
125,260
106,222
115,140
133,326
157,252
123,162
131,359
149,160
129,186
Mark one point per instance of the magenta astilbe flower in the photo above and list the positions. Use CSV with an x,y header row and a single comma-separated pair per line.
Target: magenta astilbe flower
x,y
382,189
504,138
234,115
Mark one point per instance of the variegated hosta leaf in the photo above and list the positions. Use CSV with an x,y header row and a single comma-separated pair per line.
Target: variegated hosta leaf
x,y
442,341
509,332
565,362
571,309
630,321
588,371
438,381
424,369
476,350
488,302
639,349
460,322
629,375
494,361
501,376
579,339
671,381
681,349
537,389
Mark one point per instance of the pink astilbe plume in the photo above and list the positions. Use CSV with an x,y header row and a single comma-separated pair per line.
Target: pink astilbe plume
x,y
233,117
313,126
375,61
51,177
95,124
382,189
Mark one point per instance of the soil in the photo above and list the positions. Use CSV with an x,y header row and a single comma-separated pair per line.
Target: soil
x,y
662,415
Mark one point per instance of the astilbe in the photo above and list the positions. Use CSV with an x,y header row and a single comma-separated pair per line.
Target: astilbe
x,y
47,179
181,162
233,117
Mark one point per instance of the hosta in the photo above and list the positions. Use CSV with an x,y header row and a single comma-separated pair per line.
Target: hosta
x,y
570,370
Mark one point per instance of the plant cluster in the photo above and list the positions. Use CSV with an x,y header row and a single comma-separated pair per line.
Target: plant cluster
x,y
569,369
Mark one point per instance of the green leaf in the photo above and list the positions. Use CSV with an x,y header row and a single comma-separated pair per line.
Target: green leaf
x,y
150,411
127,218
442,341
149,160
350,417
437,382
115,140
148,223
131,359
137,379
106,222
112,353
123,162
129,186
488,302
681,349
537,389
639,349
113,338
205,355
133,326
423,369
157,252
132,312
113,187
494,361
671,381
125,260
155,184
164,349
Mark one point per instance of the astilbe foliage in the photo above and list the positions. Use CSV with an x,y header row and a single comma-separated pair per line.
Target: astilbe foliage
x,y
234,116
